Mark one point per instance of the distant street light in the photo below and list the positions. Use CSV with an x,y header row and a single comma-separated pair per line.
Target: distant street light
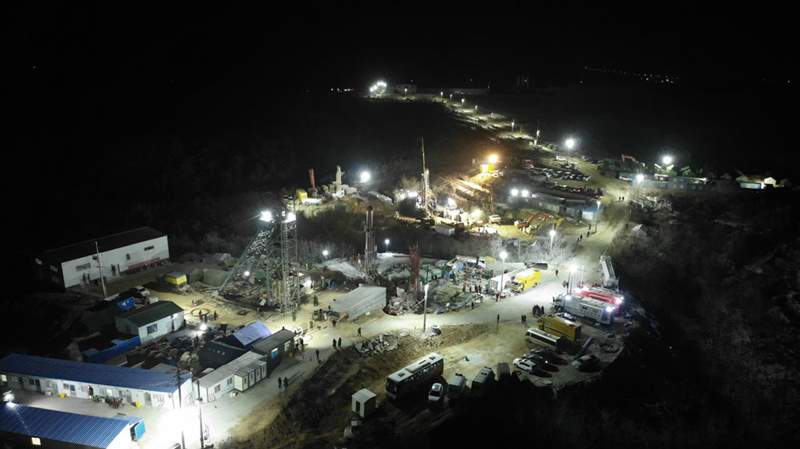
x,y
405,91
552,238
365,177
639,178
441,93
525,193
451,97
514,192
512,126
476,108
570,143
667,159
597,215
246,274
386,243
325,253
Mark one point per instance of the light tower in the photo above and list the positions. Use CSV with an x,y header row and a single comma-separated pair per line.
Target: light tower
x,y
289,281
369,241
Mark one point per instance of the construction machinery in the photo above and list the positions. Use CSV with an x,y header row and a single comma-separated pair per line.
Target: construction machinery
x,y
588,308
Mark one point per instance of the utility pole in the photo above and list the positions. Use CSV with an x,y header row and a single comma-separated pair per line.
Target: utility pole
x,y
180,402
425,310
100,269
200,412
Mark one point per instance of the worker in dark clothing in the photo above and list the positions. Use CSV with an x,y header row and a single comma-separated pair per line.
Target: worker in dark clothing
x,y
285,382
334,343
359,331
317,354
280,383
556,272
340,342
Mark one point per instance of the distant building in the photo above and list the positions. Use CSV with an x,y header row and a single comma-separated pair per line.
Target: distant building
x,y
68,378
120,253
216,353
24,426
151,321
756,182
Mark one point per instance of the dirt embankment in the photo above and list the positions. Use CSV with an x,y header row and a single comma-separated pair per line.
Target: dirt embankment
x,y
316,414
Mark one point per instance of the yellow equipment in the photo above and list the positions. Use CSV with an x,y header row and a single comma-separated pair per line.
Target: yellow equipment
x,y
176,278
525,280
560,326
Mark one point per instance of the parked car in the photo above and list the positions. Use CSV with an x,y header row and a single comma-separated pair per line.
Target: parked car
x,y
494,218
587,363
550,356
140,291
436,393
456,386
540,361
524,365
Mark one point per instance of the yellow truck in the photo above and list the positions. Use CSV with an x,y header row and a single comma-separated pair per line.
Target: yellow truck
x,y
525,279
176,279
560,326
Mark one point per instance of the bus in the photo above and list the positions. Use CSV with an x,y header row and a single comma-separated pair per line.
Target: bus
x,y
539,336
414,376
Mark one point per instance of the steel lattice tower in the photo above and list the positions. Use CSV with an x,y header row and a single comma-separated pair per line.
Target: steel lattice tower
x,y
288,244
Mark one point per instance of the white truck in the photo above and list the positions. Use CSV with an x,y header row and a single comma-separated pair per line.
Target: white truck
x,y
444,230
588,308
609,278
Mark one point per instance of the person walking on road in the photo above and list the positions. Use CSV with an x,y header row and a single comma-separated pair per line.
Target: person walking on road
x,y
334,343
280,383
359,331
317,355
556,272
340,342
285,382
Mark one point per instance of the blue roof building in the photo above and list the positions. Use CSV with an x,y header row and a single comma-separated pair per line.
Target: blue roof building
x,y
31,426
252,333
84,380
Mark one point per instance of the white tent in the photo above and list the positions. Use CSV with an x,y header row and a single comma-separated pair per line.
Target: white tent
x,y
355,303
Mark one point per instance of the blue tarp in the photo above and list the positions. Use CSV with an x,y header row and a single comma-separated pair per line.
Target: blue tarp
x,y
72,428
252,333
120,347
91,373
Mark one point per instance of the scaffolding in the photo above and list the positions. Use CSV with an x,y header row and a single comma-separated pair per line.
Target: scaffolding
x,y
266,272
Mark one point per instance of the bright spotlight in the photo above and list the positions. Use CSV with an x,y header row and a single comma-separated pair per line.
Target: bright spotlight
x,y
503,255
493,158
266,216
552,233
514,192
246,273
667,159
290,217
573,268
639,178
386,242
203,327
325,253
451,202
570,143
609,309
307,283
525,193
365,176
476,213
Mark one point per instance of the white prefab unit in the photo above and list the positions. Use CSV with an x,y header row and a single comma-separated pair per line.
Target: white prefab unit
x,y
128,251
609,278
364,402
589,308
152,321
364,299
240,374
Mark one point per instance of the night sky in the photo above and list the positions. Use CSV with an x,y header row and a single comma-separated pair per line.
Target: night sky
x,y
85,77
